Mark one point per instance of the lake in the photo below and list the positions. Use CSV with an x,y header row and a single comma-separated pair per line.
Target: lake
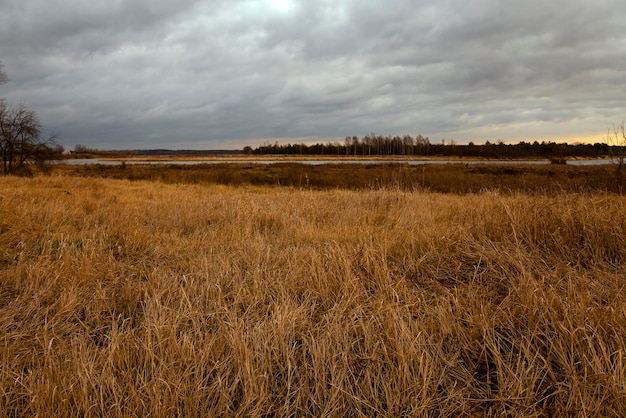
x,y
323,162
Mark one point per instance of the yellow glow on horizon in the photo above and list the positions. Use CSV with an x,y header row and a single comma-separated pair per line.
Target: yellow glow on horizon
x,y
583,139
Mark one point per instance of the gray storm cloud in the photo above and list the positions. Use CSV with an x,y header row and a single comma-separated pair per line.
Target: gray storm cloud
x,y
223,74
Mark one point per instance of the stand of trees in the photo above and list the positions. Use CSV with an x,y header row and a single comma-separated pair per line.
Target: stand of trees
x,y
421,146
82,151
20,138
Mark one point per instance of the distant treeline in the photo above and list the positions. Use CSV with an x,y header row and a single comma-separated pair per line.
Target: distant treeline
x,y
83,150
421,146
187,152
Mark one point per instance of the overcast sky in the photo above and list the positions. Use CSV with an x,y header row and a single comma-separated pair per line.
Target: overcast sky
x,y
221,74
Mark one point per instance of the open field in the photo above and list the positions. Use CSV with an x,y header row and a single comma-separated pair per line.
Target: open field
x,y
135,298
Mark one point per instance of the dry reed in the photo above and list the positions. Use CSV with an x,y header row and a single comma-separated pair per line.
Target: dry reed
x,y
123,298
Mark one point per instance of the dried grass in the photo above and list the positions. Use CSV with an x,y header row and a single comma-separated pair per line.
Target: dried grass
x,y
123,298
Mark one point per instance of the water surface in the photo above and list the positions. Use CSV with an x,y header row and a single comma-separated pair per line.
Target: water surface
x,y
87,161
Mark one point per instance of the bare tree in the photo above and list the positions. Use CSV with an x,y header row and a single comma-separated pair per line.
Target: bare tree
x,y
617,145
20,140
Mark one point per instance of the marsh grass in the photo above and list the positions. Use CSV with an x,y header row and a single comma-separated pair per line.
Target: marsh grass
x,y
122,298
444,178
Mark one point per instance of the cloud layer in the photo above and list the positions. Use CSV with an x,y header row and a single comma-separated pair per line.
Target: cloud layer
x,y
228,73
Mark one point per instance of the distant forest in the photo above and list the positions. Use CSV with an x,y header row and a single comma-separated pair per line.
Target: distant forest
x,y
421,146
83,151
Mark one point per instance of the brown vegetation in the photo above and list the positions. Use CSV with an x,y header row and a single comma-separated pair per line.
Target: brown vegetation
x,y
122,298
445,178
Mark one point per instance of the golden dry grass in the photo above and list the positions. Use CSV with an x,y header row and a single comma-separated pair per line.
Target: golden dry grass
x,y
123,298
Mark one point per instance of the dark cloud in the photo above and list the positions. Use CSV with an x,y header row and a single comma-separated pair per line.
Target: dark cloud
x,y
205,74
